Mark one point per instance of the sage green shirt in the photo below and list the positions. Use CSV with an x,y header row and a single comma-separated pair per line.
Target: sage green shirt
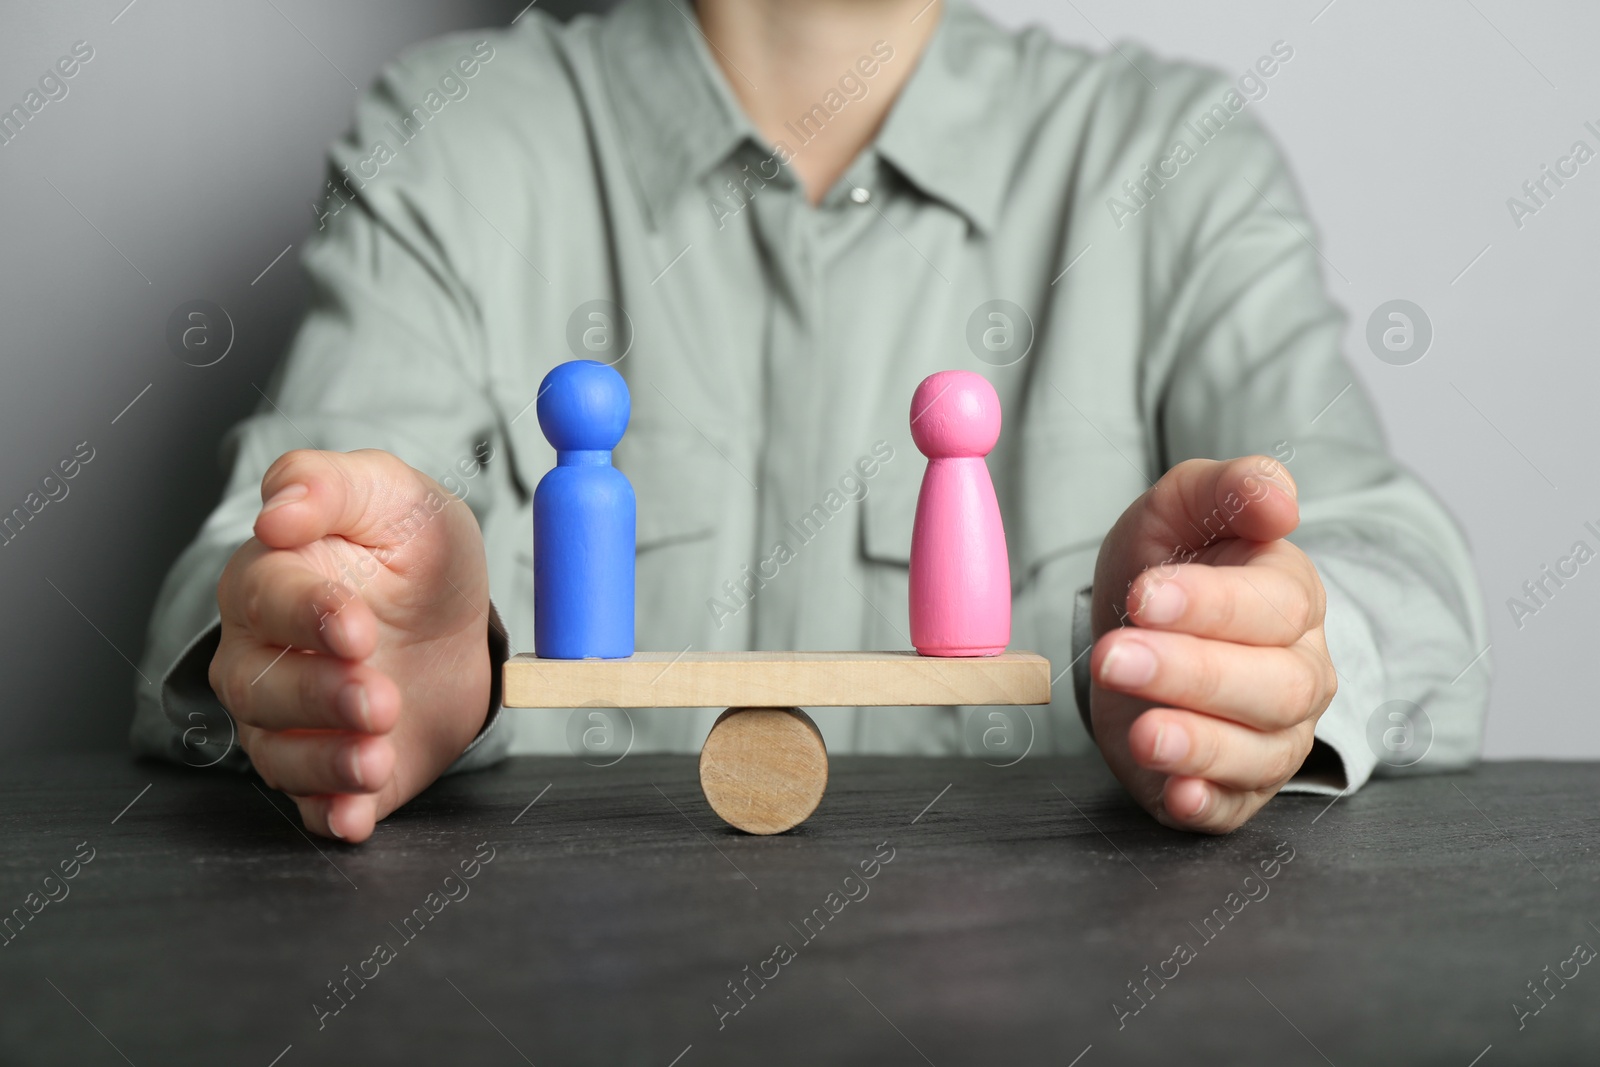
x,y
513,199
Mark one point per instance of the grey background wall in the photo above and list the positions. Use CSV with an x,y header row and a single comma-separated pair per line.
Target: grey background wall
x,y
185,156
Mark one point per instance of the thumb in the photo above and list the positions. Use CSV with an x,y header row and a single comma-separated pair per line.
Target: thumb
x,y
1200,501
369,497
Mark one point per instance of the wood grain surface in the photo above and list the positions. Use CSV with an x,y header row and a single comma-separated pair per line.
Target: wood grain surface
x,y
776,679
764,770
1015,907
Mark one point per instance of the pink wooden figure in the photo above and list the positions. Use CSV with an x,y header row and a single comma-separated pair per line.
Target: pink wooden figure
x,y
960,574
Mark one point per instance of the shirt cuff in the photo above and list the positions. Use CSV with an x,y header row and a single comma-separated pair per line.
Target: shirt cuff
x,y
1082,641
1344,726
183,721
191,726
494,739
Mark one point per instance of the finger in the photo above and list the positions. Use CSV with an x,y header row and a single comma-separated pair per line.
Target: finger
x,y
1270,604
350,817
369,497
280,600
1265,688
1202,501
308,763
1190,744
1201,806
284,689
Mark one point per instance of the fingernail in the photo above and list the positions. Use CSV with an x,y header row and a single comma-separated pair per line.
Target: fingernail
x,y
1164,604
353,698
287,495
1172,744
338,634
332,829
1285,485
1205,802
353,756
1129,664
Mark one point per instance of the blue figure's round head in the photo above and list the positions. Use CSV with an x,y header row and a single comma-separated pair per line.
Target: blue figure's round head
x,y
583,406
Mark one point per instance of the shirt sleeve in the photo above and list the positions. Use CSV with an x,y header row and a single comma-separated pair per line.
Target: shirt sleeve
x,y
390,355
1246,359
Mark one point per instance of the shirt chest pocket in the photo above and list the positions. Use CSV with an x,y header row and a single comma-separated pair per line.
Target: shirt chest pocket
x,y
887,513
680,508
685,514
1046,508
1059,494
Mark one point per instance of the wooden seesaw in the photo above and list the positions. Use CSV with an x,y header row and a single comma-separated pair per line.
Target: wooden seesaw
x,y
764,767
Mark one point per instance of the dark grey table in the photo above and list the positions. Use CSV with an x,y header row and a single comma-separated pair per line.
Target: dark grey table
x,y
1008,912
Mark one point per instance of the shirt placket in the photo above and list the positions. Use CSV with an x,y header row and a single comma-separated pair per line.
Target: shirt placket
x,y
790,395
814,599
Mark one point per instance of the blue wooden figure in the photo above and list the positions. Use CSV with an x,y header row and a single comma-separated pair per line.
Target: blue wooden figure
x,y
583,518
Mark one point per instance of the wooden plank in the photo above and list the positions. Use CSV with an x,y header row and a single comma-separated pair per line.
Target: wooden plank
x,y
776,679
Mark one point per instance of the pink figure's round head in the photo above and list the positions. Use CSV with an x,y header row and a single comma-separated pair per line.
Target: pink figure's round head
x,y
955,413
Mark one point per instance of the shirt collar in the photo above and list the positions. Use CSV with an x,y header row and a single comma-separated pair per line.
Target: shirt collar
x,y
953,131
677,116
947,133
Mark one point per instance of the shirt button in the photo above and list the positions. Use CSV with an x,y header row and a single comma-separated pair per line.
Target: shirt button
x,y
860,194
